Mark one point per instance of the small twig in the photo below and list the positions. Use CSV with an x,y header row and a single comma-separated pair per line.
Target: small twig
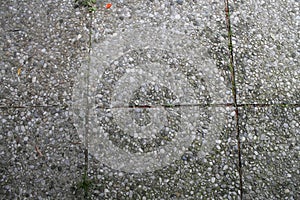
x,y
38,151
75,142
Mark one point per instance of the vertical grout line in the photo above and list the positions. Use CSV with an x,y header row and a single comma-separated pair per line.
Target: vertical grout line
x,y
87,112
233,83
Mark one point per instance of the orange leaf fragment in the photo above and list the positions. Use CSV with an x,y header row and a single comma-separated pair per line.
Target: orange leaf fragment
x,y
108,6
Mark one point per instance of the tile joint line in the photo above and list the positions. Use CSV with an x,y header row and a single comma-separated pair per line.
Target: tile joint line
x,y
62,106
233,85
87,114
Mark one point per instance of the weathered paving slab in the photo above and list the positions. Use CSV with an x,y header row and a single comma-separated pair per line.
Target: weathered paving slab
x,y
189,176
266,50
40,155
147,58
43,43
270,152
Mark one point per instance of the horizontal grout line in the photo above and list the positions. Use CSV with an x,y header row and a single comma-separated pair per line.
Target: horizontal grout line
x,y
33,106
168,106
165,105
269,104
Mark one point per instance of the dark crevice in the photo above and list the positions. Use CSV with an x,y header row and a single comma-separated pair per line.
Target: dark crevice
x,y
233,89
285,105
87,112
32,106
63,106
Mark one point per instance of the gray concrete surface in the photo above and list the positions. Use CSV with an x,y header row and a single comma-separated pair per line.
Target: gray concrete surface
x,y
266,44
136,101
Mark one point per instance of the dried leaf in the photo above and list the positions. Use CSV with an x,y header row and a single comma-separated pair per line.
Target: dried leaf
x,y
108,5
19,71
